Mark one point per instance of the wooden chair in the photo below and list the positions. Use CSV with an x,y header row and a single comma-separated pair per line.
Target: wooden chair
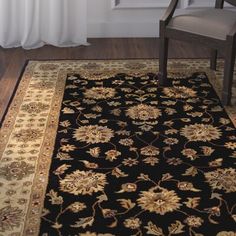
x,y
214,27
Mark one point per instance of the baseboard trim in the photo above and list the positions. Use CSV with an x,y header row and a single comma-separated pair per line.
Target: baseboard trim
x,y
122,29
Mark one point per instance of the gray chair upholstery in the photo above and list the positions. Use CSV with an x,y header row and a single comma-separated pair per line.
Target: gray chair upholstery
x,y
216,23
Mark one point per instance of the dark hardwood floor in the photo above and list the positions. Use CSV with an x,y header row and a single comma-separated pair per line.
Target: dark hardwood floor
x,y
13,60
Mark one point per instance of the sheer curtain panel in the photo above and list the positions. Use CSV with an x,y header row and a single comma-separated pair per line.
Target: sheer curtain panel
x,y
33,23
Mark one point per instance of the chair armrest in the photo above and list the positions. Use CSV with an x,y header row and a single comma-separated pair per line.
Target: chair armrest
x,y
169,12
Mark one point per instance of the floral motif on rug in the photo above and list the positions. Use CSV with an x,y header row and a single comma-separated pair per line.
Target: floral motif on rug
x,y
98,148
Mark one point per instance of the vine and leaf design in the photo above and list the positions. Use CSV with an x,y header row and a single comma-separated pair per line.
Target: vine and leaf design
x,y
134,158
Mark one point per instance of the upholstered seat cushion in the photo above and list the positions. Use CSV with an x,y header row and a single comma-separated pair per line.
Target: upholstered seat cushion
x,y
216,23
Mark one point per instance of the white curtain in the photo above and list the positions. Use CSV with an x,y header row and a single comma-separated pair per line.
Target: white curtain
x,y
33,23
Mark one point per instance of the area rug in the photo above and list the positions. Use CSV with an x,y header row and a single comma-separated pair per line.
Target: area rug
x,y
98,148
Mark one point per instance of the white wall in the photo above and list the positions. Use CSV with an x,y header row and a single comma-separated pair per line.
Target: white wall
x,y
103,21
125,21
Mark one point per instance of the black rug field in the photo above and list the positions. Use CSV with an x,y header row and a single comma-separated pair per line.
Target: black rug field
x,y
133,158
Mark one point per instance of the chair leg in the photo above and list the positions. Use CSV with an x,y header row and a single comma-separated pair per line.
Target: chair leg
x,y
163,57
213,63
228,73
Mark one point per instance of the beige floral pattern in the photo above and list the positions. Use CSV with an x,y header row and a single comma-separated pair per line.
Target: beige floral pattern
x,y
201,132
77,207
159,201
16,170
93,134
226,233
135,65
129,187
99,93
189,153
43,84
83,182
48,67
27,135
222,179
10,218
143,112
132,223
180,92
112,155
97,75
150,151
34,107
194,221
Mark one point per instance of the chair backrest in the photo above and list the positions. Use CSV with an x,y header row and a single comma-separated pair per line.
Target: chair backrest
x,y
220,3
